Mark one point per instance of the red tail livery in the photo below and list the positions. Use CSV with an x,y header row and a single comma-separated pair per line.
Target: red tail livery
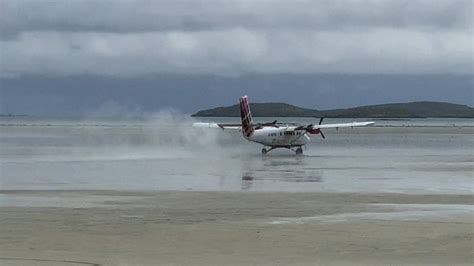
x,y
247,128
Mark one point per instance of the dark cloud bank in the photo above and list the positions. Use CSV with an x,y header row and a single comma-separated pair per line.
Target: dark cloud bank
x,y
189,93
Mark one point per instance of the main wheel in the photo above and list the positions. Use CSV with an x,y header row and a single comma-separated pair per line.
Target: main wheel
x,y
264,151
299,151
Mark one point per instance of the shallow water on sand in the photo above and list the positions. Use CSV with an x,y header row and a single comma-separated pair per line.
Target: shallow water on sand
x,y
167,154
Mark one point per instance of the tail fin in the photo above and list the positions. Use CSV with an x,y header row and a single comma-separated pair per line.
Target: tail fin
x,y
247,128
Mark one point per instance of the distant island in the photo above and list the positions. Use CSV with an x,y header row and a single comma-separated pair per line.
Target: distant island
x,y
393,110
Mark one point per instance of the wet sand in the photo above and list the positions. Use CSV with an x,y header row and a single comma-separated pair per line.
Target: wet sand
x,y
234,228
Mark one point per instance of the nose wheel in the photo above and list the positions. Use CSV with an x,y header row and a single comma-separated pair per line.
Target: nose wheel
x,y
299,151
264,151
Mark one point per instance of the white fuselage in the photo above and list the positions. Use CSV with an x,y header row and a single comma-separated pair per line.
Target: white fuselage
x,y
279,137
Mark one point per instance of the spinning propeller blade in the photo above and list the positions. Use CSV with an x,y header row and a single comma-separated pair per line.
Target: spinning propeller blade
x,y
320,132
309,128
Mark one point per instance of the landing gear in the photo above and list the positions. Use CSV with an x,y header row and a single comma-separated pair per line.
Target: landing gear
x,y
299,151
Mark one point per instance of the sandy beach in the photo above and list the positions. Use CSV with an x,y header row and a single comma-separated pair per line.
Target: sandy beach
x,y
234,228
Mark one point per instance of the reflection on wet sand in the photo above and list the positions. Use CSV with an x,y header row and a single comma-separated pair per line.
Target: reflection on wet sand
x,y
249,179
247,182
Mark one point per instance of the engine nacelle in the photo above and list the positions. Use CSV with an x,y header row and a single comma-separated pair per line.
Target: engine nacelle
x,y
314,131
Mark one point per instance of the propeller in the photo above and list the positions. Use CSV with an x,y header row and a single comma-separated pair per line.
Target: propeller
x,y
322,135
320,132
309,128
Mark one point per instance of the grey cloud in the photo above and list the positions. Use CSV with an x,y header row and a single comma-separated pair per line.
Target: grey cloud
x,y
238,51
146,16
132,38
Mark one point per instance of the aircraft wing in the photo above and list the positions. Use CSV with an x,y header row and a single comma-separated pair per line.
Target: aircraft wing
x,y
215,125
317,129
353,124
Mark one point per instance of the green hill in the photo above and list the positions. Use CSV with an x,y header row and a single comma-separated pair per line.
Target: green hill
x,y
262,110
394,110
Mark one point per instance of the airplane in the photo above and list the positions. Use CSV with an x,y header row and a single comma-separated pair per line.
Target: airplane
x,y
276,135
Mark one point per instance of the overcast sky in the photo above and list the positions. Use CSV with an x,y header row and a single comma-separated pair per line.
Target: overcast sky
x,y
60,43
128,37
